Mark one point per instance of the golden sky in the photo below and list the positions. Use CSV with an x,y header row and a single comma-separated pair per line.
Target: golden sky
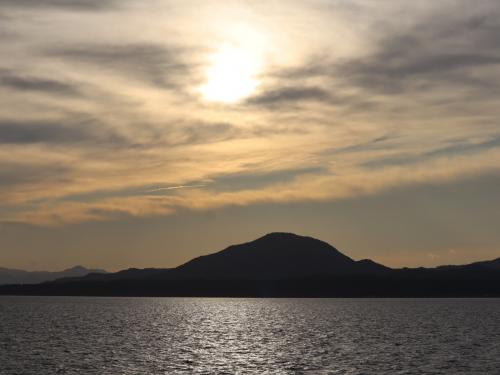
x,y
146,132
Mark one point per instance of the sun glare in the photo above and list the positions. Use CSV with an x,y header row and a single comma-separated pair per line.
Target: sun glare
x,y
231,75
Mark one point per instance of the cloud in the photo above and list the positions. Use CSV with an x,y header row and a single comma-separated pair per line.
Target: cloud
x,y
68,4
393,72
178,133
36,84
155,64
6,35
301,188
197,132
57,132
445,47
14,173
444,52
287,95
246,181
169,188
330,126
379,143
458,148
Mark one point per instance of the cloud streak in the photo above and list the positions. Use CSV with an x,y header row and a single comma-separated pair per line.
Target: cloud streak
x,y
12,132
287,95
168,188
36,84
155,64
65,4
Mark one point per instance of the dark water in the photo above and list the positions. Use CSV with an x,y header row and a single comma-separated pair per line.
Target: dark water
x,y
71,335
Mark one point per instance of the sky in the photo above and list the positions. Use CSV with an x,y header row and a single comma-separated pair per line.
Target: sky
x,y
143,133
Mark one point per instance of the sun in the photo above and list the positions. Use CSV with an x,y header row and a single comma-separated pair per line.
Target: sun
x,y
231,75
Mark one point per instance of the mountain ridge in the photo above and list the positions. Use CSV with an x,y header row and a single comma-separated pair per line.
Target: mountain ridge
x,y
274,255
280,265
18,276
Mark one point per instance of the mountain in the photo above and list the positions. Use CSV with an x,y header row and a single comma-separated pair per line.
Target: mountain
x,y
280,265
14,276
491,264
276,255
273,256
486,265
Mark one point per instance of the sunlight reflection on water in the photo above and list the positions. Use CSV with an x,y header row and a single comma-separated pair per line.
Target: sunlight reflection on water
x,y
71,335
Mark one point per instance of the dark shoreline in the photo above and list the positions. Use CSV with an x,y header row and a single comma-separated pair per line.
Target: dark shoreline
x,y
346,286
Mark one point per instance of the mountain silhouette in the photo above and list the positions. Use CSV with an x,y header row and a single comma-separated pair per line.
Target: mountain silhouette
x,y
487,265
15,276
276,255
280,265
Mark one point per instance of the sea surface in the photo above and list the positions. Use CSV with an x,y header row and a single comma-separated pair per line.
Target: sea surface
x,y
83,335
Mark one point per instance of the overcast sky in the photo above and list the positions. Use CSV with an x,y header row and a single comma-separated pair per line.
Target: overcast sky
x,y
141,133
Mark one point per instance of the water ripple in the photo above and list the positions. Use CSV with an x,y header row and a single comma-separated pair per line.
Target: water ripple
x,y
76,335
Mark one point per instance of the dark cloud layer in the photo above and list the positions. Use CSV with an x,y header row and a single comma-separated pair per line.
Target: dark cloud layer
x,y
439,50
449,50
89,132
28,132
287,95
37,84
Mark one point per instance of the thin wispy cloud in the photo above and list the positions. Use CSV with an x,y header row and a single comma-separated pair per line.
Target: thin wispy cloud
x,y
65,4
157,64
167,188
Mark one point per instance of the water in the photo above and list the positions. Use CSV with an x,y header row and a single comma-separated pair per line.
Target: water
x,y
76,335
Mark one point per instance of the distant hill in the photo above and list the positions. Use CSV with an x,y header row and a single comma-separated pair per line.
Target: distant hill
x,y
489,265
280,265
276,255
14,276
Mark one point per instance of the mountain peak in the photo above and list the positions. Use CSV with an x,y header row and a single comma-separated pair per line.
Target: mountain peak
x,y
274,255
75,269
281,235
287,239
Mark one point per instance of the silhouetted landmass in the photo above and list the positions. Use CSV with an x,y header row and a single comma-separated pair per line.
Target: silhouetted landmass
x,y
489,264
276,255
14,276
280,265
